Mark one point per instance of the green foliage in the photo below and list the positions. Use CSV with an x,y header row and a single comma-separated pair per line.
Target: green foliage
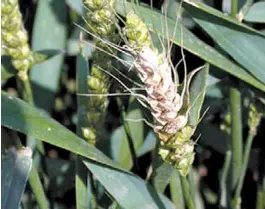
x,y
16,168
74,99
44,39
256,13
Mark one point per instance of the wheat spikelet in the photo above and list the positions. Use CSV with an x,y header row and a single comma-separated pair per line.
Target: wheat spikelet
x,y
15,37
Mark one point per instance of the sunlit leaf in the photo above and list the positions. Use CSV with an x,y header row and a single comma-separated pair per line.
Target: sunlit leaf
x,y
242,43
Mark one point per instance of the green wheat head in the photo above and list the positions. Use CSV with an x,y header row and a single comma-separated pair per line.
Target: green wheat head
x,y
15,37
100,18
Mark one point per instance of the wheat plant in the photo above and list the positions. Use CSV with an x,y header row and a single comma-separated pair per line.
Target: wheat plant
x,y
132,104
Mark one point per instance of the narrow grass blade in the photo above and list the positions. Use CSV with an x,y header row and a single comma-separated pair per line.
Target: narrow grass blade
x,y
20,116
82,175
197,92
37,188
186,193
148,144
135,133
161,176
81,195
242,43
120,147
176,190
16,166
128,190
195,189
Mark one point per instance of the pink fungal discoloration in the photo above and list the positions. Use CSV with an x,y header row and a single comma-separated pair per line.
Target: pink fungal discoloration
x,y
155,72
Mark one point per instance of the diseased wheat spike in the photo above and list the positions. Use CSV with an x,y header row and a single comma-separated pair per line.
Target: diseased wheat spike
x,y
163,96
100,19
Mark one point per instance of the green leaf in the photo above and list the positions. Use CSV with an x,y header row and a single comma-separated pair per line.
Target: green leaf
x,y
193,179
120,141
176,190
44,55
49,32
242,43
256,13
190,41
77,6
135,129
117,137
218,14
148,144
161,176
128,190
7,69
16,166
82,184
82,69
37,188
20,116
197,92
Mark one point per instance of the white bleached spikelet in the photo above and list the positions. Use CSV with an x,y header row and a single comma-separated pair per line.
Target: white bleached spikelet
x,y
164,100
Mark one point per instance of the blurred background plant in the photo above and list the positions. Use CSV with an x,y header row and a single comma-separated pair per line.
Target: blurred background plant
x,y
46,63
